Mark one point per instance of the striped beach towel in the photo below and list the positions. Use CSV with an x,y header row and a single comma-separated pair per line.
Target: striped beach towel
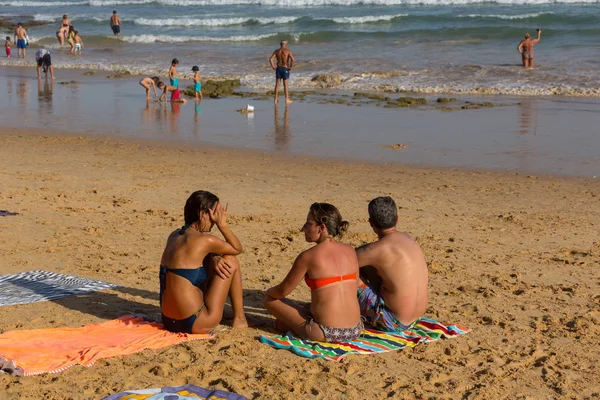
x,y
39,351
369,342
33,286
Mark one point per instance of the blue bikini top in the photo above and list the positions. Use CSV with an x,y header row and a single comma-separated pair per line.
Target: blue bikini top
x,y
196,276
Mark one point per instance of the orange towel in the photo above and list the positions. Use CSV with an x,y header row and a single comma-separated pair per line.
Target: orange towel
x,y
53,350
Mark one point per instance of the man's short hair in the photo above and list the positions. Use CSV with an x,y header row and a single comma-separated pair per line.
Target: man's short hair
x,y
383,212
283,42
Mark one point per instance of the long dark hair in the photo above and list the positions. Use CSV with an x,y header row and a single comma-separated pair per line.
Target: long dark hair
x,y
200,200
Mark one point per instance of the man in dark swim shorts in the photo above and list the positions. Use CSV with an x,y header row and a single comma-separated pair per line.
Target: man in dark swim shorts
x,y
115,23
285,62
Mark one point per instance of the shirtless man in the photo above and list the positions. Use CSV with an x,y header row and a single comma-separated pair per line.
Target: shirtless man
x,y
285,62
392,292
525,47
19,39
115,23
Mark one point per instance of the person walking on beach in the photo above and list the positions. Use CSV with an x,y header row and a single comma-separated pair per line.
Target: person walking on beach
x,y
44,63
20,40
115,23
393,290
525,47
7,46
285,62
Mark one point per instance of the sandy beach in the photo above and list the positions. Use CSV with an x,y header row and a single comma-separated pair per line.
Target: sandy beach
x,y
514,257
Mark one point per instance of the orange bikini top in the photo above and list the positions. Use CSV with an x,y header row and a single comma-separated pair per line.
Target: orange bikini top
x,y
319,283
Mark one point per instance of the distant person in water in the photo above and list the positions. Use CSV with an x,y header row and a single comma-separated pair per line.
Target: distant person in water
x,y
115,23
65,21
44,63
392,292
21,40
197,83
173,74
78,44
149,84
175,93
525,47
7,46
285,62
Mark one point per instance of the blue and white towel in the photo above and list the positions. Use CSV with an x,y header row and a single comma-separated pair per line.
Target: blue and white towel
x,y
33,286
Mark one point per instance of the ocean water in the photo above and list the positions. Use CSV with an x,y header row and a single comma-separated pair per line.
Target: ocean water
x,y
429,46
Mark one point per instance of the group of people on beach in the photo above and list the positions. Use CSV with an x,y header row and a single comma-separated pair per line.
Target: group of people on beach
x,y
151,83
66,32
382,284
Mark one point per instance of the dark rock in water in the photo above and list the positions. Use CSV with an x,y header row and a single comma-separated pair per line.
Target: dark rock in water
x,y
445,99
10,23
89,73
123,74
372,96
215,89
412,101
475,106
66,82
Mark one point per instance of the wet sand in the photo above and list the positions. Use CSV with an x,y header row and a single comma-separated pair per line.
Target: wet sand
x,y
514,257
543,135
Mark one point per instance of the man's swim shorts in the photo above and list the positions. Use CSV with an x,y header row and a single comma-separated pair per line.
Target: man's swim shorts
x,y
21,44
376,313
282,73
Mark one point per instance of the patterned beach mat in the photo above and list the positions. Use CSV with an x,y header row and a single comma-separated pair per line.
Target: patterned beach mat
x,y
369,342
33,286
186,392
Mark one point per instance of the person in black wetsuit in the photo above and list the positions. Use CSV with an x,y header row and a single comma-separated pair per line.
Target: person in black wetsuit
x,y
198,270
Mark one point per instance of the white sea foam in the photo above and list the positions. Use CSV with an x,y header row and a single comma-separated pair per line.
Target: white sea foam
x,y
508,17
363,19
212,21
182,39
284,3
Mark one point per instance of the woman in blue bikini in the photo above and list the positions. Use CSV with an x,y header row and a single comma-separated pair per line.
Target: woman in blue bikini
x,y
194,280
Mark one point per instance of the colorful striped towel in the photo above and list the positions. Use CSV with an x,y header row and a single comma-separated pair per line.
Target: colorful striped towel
x,y
186,392
369,342
53,350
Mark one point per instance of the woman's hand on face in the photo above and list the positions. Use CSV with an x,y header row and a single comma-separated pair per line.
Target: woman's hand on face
x,y
218,214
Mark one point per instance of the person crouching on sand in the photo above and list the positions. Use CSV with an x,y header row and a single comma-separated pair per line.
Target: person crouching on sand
x,y
393,288
148,84
175,93
525,48
44,62
198,270
330,270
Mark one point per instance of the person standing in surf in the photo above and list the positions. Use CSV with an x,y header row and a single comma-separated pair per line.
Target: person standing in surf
x,y
525,48
285,62
115,23
21,40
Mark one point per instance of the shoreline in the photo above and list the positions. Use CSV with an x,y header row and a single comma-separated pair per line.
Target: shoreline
x,y
528,135
511,257
330,81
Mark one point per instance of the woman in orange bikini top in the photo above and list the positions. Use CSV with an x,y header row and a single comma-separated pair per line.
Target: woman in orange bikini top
x,y
330,270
